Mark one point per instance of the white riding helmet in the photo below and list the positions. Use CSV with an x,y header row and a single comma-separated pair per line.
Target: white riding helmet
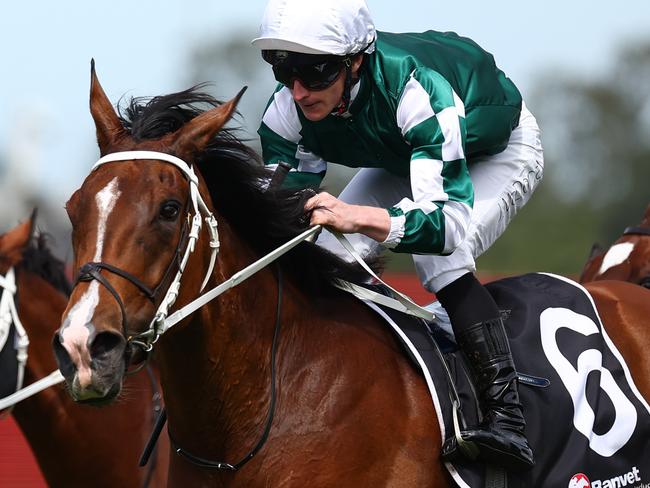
x,y
338,27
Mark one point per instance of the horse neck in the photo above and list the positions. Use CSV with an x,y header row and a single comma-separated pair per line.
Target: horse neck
x,y
217,366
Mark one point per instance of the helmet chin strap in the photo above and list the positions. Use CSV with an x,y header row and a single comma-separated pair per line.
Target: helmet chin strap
x,y
347,89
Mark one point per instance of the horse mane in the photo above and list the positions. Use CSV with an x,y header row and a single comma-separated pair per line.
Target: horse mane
x,y
37,258
236,180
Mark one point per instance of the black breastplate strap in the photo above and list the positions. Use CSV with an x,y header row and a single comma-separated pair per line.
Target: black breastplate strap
x,y
209,464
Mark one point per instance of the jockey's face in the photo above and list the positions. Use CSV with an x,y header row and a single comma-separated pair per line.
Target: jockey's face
x,y
318,104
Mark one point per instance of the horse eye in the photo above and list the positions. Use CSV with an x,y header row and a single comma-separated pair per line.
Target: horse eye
x,y
170,210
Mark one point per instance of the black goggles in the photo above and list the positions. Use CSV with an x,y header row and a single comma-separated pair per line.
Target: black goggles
x,y
314,71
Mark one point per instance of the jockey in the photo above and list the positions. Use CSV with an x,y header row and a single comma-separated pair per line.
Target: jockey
x,y
436,129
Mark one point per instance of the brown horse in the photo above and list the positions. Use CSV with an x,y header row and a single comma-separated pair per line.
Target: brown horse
x,y
75,445
283,381
628,259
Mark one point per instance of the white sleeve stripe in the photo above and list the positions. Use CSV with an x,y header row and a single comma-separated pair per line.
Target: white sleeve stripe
x,y
457,219
408,205
308,161
452,148
427,181
312,166
282,118
414,106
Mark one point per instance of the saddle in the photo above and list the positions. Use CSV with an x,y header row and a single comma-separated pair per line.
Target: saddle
x,y
573,425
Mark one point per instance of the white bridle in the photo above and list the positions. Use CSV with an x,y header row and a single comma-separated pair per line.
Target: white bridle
x,y
9,316
157,326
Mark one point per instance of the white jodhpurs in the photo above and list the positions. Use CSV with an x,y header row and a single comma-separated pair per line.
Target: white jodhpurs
x,y
503,183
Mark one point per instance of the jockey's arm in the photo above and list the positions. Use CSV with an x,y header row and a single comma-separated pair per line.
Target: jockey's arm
x,y
329,211
431,118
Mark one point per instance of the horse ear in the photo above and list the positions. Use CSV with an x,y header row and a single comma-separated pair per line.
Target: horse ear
x,y
14,242
197,133
108,125
646,217
596,250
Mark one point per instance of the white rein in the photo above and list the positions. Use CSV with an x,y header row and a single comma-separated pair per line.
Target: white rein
x,y
8,316
162,321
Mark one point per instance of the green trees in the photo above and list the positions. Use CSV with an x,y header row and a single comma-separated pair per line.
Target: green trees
x,y
596,135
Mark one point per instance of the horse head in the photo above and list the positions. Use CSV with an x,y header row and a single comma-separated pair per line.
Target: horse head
x,y
628,259
135,220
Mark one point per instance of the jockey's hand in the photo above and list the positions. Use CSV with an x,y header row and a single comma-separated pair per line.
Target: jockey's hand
x,y
329,211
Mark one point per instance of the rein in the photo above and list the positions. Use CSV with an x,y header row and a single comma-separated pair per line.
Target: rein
x,y
9,316
162,322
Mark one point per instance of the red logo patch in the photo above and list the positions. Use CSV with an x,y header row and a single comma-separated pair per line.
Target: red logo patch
x,y
579,480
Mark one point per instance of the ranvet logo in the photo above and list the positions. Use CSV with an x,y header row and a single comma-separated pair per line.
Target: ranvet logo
x,y
579,480
629,479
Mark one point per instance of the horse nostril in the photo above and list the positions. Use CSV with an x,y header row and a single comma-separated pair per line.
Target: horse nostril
x,y
66,366
105,343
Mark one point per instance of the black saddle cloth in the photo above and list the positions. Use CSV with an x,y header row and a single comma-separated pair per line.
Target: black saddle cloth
x,y
590,422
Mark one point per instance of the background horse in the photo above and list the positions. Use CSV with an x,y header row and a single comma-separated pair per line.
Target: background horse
x,y
75,446
283,381
628,259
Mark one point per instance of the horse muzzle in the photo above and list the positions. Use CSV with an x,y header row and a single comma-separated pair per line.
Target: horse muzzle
x,y
93,369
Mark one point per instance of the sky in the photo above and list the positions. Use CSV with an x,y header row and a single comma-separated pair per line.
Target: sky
x,y
141,48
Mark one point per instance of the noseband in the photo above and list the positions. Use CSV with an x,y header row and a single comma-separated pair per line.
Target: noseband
x,y
92,270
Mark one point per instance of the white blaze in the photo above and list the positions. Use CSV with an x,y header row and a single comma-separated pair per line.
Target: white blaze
x,y
75,334
615,256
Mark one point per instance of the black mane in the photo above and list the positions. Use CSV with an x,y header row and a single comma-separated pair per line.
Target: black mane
x,y
233,172
38,259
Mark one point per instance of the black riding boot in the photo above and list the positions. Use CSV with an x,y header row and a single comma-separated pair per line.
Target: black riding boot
x,y
500,438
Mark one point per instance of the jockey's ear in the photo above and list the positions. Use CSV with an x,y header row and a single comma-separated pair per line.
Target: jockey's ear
x,y
14,242
197,133
107,123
